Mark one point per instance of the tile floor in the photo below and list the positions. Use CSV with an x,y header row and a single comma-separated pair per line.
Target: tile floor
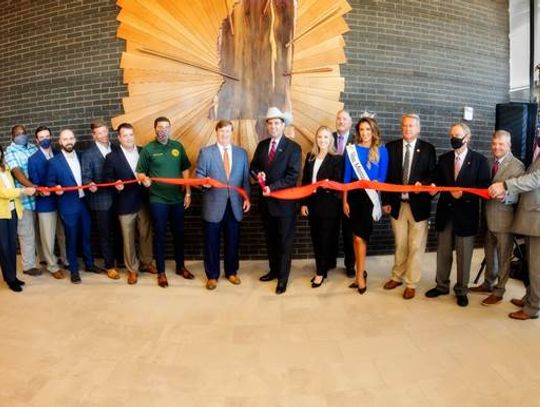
x,y
104,343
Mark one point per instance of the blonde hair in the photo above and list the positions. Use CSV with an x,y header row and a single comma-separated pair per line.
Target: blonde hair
x,y
331,148
373,155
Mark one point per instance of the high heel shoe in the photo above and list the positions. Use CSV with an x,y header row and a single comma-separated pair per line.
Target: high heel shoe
x,y
314,284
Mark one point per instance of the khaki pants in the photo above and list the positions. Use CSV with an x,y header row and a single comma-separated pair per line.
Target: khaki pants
x,y
27,229
410,237
50,227
130,224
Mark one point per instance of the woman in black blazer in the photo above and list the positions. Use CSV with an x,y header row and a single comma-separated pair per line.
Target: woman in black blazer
x,y
323,206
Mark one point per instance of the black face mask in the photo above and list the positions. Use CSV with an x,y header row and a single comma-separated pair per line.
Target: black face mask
x,y
456,142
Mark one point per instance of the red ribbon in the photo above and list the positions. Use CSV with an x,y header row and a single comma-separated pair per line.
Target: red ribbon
x,y
289,193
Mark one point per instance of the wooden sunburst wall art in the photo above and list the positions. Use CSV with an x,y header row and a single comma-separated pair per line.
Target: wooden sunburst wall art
x,y
198,61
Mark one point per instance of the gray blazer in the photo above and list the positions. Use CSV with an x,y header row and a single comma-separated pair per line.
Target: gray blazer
x,y
500,214
527,218
210,164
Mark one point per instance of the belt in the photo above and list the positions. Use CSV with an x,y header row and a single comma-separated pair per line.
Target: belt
x,y
404,200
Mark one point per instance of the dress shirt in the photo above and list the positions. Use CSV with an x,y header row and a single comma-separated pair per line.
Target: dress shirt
x,y
132,157
229,152
316,167
405,195
75,167
104,150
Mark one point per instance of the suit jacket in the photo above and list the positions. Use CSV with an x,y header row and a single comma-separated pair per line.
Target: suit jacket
x,y
422,170
210,164
92,171
527,218
350,140
464,213
282,173
133,196
37,174
500,214
324,202
59,173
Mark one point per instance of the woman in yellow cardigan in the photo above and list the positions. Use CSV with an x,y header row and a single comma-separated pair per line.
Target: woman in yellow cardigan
x,y
10,211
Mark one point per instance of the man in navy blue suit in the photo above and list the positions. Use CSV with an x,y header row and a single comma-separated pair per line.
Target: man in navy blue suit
x,y
65,171
276,162
223,209
132,204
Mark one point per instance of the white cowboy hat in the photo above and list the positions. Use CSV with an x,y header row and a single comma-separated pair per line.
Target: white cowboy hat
x,y
275,113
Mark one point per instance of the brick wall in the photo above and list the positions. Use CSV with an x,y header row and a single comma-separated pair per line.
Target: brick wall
x,y
60,60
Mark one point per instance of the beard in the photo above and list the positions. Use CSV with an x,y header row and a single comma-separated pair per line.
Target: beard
x,y
68,148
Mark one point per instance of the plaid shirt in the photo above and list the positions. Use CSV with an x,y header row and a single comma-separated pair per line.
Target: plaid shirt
x,y
17,157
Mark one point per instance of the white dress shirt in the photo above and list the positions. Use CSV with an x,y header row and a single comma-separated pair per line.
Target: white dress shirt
x,y
75,167
132,157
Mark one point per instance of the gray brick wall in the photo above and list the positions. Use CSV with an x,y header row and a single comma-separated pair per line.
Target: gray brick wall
x,y
60,60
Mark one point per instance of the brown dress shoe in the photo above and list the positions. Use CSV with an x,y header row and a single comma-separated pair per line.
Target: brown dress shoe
x,y
184,272
518,302
491,300
113,274
58,275
211,284
391,284
162,280
409,293
522,315
480,289
234,279
149,268
132,277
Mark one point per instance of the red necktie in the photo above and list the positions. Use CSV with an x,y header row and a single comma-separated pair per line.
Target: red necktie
x,y
272,152
494,168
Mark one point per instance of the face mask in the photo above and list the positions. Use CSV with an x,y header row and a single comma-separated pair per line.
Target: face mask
x,y
45,143
456,142
21,139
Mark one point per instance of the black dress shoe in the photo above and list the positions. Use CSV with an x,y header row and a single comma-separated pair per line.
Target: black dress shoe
x,y
435,292
281,288
462,300
75,278
268,277
93,269
350,272
20,282
14,286
314,284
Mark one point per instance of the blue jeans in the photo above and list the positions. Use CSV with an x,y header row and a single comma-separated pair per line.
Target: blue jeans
x,y
173,215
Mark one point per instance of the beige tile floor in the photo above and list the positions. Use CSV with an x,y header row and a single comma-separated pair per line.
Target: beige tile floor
x,y
104,343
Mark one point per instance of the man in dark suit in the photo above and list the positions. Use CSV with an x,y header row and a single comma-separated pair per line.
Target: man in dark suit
x,y
343,136
65,171
132,204
276,162
411,161
100,200
458,213
223,209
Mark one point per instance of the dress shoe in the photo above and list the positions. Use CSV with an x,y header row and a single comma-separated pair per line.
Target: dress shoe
x,y
132,277
350,272
13,286
462,300
481,289
353,285
518,302
281,288
59,275
75,278
522,315
184,272
268,277
20,282
409,293
211,284
362,290
162,280
234,279
391,284
94,269
149,268
435,292
32,272
314,284
113,274
491,300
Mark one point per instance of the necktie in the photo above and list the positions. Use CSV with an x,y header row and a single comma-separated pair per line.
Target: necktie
x,y
272,152
340,144
226,162
457,166
495,168
406,164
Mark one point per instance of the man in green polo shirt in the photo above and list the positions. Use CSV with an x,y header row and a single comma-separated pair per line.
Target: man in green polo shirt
x,y
166,158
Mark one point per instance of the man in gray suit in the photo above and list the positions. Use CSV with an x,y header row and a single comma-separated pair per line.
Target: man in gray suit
x,y
527,223
223,209
499,213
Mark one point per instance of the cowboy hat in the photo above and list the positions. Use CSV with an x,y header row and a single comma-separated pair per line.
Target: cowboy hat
x,y
275,113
